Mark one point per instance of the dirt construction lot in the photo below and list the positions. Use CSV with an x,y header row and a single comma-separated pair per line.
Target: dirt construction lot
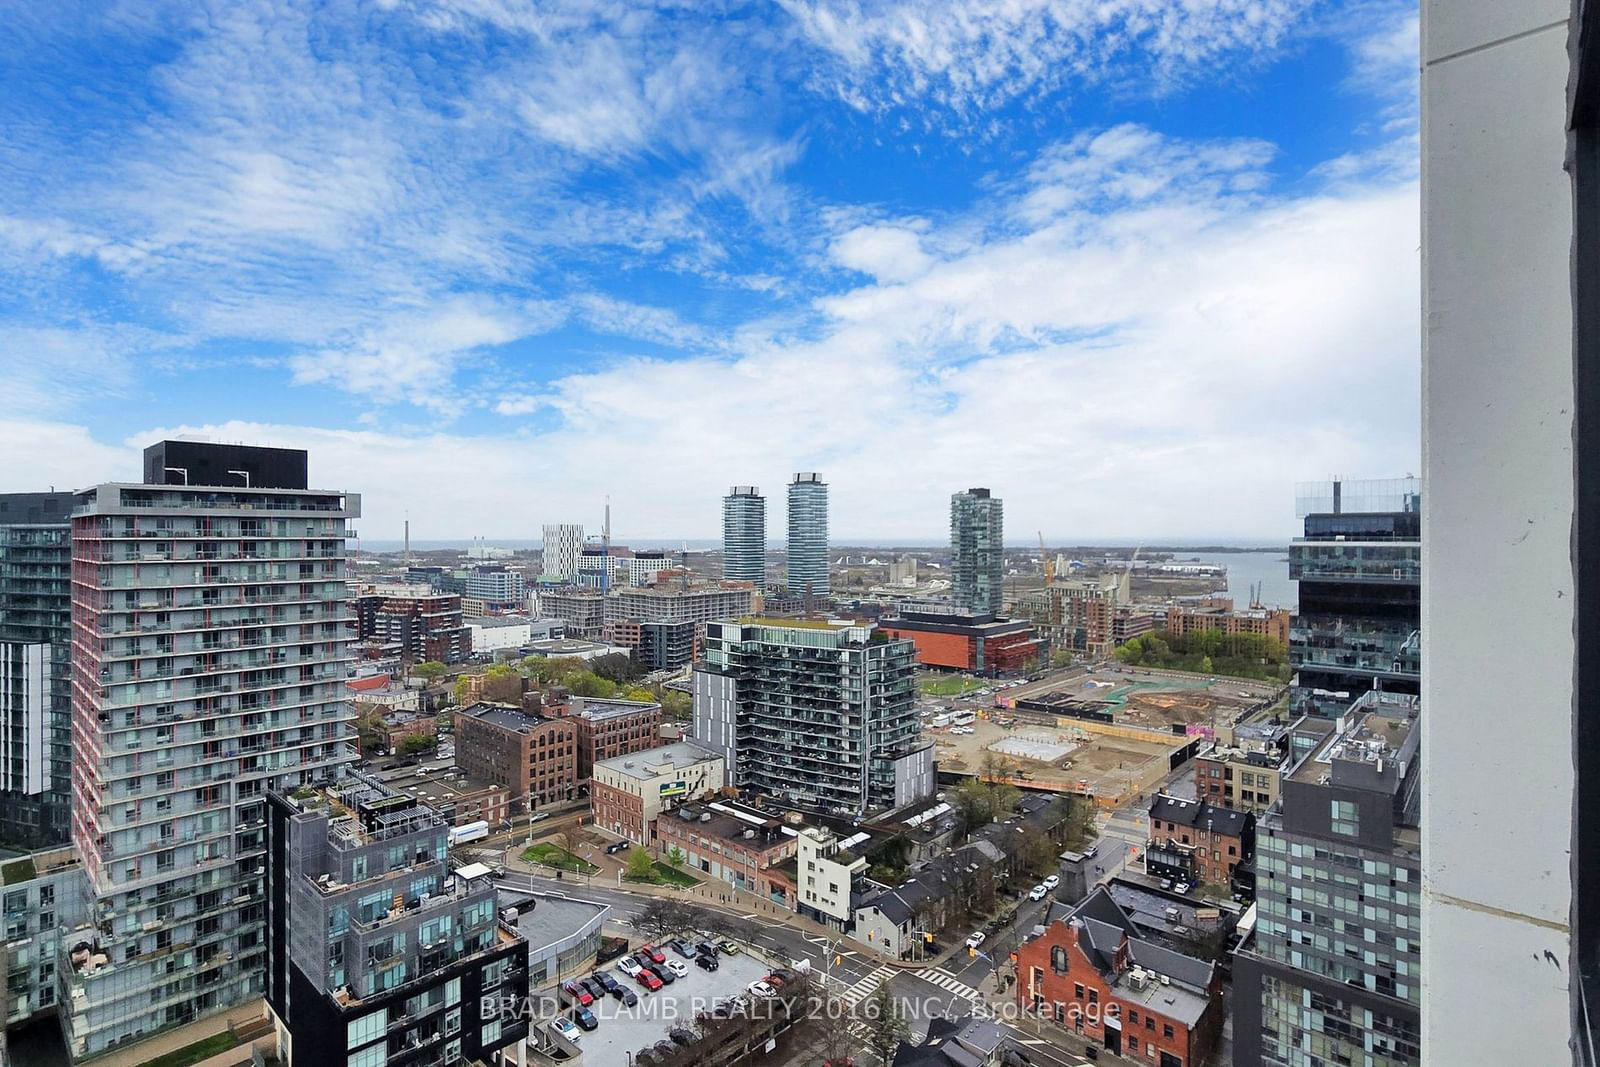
x,y
1103,766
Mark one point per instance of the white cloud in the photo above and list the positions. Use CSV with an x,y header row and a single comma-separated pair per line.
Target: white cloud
x,y
1112,353
970,55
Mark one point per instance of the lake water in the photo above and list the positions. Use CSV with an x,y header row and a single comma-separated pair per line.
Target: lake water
x,y
1270,568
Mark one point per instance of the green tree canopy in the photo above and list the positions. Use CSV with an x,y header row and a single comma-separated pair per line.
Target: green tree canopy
x,y
640,865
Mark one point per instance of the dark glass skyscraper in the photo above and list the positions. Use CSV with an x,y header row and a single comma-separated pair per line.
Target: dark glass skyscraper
x,y
977,551
1359,566
35,675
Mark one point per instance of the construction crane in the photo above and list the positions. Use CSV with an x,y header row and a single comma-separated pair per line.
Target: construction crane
x,y
1046,562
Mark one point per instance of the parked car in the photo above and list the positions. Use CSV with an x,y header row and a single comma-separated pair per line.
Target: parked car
x,y
681,947
538,816
706,963
1166,883
585,1018
1089,853
677,968
705,948
626,996
1182,887
608,983
681,1036
629,966
643,959
728,947
566,1028
648,979
761,989
617,846
597,990
978,937
655,954
1052,881
577,993
1037,893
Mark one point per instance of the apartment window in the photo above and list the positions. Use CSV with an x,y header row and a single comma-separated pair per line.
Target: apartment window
x,y
1346,819
1077,990
1166,1031
365,1029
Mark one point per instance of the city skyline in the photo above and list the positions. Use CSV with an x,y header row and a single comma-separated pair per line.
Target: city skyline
x,y
1050,248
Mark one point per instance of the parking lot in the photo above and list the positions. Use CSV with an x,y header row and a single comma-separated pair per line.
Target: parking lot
x,y
625,1030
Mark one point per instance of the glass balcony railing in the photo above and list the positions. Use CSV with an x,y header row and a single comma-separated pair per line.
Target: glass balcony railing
x,y
1355,562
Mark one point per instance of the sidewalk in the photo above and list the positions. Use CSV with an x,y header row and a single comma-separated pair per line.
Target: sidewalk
x,y
719,897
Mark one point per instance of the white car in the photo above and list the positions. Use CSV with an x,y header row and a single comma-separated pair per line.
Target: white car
x,y
761,989
677,968
978,937
628,966
566,1028
1182,887
1038,893
1052,881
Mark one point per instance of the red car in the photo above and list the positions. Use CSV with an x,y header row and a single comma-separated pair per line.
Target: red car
x,y
648,980
654,953
577,994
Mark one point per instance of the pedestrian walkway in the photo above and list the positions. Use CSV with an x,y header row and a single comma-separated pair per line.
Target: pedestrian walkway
x,y
950,984
867,986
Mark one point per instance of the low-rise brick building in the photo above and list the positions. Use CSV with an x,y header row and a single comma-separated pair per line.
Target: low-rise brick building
x,y
608,728
1092,974
734,844
535,757
627,793
1197,841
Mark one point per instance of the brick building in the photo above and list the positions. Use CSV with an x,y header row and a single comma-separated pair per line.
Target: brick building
x,y
420,623
534,757
1196,841
608,728
735,844
1184,619
627,793
955,639
1092,974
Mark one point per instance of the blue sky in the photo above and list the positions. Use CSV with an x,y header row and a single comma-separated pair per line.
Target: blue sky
x,y
1137,265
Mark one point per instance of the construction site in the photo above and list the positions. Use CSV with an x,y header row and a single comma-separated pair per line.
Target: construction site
x,y
1105,732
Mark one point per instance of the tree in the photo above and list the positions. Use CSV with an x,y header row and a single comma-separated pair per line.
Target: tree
x,y
462,691
370,726
1036,853
503,684
886,1025
640,866
996,767
430,670
675,857
616,668
675,705
589,684
411,745
1061,658
638,692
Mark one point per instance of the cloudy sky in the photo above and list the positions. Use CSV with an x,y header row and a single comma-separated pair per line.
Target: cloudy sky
x,y
1137,265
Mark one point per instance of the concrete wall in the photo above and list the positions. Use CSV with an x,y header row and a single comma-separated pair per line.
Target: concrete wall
x,y
1497,586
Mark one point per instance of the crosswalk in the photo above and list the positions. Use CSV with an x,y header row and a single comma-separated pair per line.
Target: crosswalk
x,y
867,986
949,983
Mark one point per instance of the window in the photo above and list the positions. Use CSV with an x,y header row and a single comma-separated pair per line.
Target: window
x,y
366,1028
1077,990
1094,996
1133,1044
1346,820
1166,1031
1058,959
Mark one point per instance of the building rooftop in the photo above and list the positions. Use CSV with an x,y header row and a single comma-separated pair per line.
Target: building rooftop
x,y
442,789
598,710
491,621
505,716
731,822
654,761
1377,732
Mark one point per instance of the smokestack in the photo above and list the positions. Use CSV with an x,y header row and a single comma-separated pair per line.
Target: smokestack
x,y
408,542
